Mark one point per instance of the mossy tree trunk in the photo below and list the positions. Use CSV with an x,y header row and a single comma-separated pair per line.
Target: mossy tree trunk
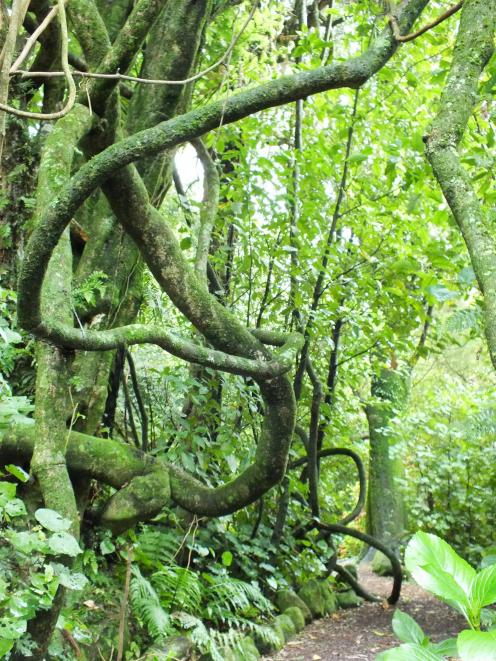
x,y
385,510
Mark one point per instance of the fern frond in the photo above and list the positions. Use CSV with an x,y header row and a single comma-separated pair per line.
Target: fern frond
x,y
178,589
146,607
198,631
155,548
230,595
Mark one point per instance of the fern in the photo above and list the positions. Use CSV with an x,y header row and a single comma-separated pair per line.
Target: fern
x,y
209,641
146,607
199,633
228,597
178,589
155,548
469,319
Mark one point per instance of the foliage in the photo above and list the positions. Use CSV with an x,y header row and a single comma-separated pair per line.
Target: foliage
x,y
30,570
213,607
436,567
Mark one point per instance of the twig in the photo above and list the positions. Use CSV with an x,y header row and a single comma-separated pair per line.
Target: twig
x,y
146,81
428,26
19,9
72,642
64,53
123,610
33,38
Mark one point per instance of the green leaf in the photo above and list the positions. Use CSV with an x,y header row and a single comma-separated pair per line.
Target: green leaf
x,y
15,507
18,472
7,492
52,520
477,645
186,243
12,629
439,569
409,652
407,630
227,558
5,646
25,542
440,293
70,580
61,543
483,592
106,547
445,648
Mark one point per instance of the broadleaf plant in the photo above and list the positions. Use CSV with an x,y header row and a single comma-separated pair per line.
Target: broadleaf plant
x,y
436,567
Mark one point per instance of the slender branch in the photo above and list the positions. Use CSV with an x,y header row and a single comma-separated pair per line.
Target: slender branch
x,y
71,85
428,26
344,452
146,81
139,400
30,42
371,541
129,408
124,604
208,212
19,8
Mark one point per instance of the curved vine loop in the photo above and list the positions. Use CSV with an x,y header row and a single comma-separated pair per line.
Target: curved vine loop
x,y
345,452
342,528
336,528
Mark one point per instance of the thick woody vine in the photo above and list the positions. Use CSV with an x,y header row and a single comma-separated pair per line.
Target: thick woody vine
x,y
237,348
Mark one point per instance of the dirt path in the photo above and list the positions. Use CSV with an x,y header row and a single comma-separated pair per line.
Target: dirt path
x,y
361,633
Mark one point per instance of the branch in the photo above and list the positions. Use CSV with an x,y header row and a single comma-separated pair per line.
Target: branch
x,y
343,452
371,541
443,139
413,35
208,212
124,336
64,55
171,133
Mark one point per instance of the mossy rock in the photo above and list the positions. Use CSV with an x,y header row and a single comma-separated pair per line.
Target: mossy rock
x,y
297,617
381,564
330,600
287,626
348,599
313,595
276,641
177,648
287,598
246,650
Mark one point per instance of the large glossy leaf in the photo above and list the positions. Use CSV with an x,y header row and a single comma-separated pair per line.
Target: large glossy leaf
x,y
477,645
61,543
483,592
407,630
409,652
440,570
52,520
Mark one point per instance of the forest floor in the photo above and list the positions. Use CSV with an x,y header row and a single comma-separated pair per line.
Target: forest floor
x,y
359,634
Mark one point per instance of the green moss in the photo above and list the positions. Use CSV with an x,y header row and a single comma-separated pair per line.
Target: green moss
x,y
313,595
287,598
287,626
297,617
348,599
